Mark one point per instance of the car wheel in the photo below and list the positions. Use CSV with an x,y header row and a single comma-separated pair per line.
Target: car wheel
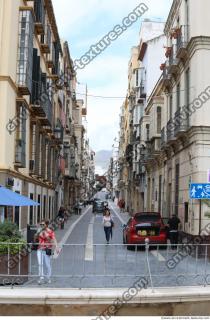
x,y
129,247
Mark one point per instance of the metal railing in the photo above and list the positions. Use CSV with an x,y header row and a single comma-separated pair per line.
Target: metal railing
x,y
163,137
172,58
183,37
181,125
170,130
117,265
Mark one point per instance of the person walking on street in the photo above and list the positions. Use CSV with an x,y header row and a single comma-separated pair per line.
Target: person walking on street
x,y
46,239
108,224
61,217
173,224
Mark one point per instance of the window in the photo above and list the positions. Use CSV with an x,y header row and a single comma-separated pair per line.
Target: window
x,y
153,189
25,51
186,205
147,132
17,213
137,77
187,12
177,172
160,193
171,106
31,211
178,96
49,211
158,119
44,208
38,209
187,89
39,11
20,150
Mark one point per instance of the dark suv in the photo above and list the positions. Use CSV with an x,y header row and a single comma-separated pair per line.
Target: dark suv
x,y
98,206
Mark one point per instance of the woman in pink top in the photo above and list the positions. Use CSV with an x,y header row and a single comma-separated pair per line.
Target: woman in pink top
x,y
108,225
47,240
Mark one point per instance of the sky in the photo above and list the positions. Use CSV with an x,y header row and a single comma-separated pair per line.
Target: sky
x,y
85,22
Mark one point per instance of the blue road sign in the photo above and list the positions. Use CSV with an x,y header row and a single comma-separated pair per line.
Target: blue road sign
x,y
200,191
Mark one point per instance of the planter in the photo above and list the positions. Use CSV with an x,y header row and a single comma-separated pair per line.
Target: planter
x,y
168,52
175,33
17,266
162,66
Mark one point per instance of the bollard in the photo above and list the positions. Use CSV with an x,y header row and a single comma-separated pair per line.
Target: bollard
x,y
147,259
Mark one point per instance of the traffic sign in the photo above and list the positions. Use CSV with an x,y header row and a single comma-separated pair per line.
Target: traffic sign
x,y
200,191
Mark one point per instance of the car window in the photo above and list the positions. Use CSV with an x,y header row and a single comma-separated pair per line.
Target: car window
x,y
146,217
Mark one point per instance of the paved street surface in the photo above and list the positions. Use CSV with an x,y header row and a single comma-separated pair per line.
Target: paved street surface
x,y
87,261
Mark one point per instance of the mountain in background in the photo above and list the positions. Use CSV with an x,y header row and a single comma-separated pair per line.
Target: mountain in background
x,y
102,160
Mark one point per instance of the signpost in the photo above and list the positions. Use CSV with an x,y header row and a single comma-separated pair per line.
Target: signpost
x,y
200,191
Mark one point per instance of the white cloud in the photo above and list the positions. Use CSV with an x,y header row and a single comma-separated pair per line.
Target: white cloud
x,y
73,14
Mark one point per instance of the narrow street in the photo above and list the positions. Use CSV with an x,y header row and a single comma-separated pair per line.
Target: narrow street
x,y
86,261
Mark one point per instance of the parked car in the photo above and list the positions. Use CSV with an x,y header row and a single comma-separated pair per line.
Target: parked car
x,y
98,206
145,225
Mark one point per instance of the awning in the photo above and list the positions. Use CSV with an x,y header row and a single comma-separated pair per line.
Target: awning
x,y
10,198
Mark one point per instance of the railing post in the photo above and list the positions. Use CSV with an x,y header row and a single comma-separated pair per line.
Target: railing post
x,y
147,260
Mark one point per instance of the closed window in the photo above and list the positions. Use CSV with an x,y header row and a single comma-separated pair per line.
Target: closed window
x,y
158,119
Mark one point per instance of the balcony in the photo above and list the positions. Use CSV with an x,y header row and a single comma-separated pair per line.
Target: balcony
x,y
163,138
142,90
155,146
59,132
46,40
25,53
61,97
181,125
84,111
182,41
166,81
51,57
41,104
173,67
170,132
39,12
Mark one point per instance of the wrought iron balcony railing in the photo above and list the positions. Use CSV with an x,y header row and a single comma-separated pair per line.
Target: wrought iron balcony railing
x,y
181,122
182,41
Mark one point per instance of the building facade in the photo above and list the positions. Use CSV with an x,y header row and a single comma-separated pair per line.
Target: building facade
x,y
175,128
39,112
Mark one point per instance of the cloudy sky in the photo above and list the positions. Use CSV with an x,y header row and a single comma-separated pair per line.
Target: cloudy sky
x,y
85,22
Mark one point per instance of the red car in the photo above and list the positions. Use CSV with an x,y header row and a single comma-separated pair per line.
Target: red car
x,y
145,225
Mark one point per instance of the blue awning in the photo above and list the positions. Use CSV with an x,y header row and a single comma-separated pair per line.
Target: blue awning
x,y
10,198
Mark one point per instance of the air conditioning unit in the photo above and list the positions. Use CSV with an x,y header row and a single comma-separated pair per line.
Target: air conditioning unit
x,y
31,165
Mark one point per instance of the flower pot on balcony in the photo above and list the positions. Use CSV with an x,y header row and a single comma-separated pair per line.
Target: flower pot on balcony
x,y
175,33
162,66
168,52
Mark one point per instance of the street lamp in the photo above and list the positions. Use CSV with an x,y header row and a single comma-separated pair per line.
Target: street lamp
x,y
58,133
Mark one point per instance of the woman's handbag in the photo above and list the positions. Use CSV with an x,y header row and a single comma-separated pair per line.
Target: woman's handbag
x,y
112,223
48,251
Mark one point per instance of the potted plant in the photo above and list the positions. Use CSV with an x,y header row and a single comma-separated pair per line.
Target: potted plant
x,y
162,66
168,51
13,254
175,33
